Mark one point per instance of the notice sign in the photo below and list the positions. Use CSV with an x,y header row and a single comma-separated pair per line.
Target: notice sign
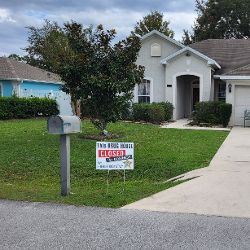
x,y
114,155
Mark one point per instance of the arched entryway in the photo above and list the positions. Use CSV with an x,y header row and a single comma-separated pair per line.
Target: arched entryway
x,y
187,95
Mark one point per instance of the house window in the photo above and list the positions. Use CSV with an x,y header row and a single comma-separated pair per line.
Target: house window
x,y
155,49
144,91
222,92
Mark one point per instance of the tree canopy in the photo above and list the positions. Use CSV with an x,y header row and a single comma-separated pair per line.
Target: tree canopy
x,y
153,21
98,72
221,19
46,45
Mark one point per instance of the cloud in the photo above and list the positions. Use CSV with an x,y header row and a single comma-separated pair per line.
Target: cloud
x,y
69,5
180,21
5,16
119,14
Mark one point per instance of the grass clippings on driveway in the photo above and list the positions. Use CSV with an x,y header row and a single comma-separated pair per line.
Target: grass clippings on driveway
x,y
29,162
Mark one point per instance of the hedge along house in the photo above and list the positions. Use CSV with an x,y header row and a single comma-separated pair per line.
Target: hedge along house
x,y
24,80
214,69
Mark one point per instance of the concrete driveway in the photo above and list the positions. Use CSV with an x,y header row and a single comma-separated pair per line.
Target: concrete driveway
x,y
221,189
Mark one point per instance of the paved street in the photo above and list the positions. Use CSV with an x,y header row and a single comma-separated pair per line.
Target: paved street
x,y
221,189
47,226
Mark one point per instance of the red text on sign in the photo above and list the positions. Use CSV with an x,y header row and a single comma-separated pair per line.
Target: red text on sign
x,y
111,153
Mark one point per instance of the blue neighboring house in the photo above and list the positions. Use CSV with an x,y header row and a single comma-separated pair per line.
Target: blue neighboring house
x,y
24,80
20,79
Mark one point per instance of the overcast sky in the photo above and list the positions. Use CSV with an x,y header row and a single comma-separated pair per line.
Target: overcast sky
x,y
122,15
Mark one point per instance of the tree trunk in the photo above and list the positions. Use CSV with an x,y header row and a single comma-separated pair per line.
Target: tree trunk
x,y
101,125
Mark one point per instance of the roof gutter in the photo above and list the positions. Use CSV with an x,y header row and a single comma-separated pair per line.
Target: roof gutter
x,y
225,77
29,80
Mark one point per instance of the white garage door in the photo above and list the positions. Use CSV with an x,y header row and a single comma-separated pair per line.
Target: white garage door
x,y
242,102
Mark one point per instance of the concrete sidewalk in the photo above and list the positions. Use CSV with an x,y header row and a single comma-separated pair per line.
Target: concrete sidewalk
x,y
183,124
221,189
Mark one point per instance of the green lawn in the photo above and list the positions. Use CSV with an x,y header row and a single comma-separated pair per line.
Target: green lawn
x,y
29,162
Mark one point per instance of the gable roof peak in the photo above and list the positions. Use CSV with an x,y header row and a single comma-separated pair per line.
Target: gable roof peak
x,y
156,32
209,60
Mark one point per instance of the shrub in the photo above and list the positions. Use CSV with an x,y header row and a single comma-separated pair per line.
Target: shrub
x,y
140,112
212,113
15,108
168,107
154,112
127,112
225,111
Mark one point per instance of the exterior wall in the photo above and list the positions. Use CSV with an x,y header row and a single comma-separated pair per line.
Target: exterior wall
x,y
192,65
51,90
29,85
230,97
7,87
154,70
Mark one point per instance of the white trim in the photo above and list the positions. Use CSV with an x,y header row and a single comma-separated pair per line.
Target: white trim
x,y
1,86
188,49
156,32
225,77
174,79
16,88
30,80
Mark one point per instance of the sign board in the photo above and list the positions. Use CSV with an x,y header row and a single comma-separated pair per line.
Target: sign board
x,y
114,155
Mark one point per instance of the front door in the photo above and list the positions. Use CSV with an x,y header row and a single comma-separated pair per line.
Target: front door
x,y
196,96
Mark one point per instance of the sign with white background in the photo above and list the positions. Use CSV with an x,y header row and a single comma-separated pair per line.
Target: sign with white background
x,y
114,155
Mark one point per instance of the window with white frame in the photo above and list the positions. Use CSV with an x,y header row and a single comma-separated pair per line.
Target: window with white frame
x,y
144,91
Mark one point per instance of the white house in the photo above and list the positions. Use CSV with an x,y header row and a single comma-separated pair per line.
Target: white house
x,y
214,69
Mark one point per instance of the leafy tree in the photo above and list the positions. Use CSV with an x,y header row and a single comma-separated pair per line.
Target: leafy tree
x,y
24,59
101,74
16,57
46,45
98,72
221,19
153,21
186,38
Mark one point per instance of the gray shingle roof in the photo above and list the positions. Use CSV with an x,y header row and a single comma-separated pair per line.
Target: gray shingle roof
x,y
242,71
12,69
231,54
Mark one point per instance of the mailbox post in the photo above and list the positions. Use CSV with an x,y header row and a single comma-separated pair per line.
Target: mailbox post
x,y
65,164
64,126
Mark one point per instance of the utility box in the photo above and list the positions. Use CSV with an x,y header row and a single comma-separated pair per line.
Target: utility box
x,y
62,124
